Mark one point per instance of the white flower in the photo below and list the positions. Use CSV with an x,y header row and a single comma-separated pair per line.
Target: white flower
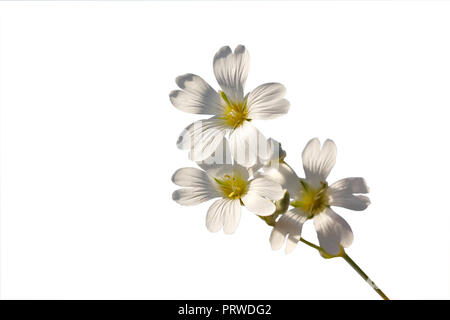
x,y
312,198
231,183
232,111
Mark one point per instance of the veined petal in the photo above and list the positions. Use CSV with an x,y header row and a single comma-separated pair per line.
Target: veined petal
x,y
349,201
332,231
285,176
266,188
247,144
254,169
199,189
220,157
232,216
193,196
317,162
257,204
202,137
223,213
268,155
266,101
231,70
351,185
343,193
191,177
290,224
196,96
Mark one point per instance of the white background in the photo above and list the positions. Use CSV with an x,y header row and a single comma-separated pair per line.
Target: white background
x,y
88,146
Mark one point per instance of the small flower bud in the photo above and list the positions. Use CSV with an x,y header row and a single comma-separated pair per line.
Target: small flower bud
x,y
281,207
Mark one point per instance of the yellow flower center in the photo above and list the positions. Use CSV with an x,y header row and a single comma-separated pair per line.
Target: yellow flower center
x,y
312,200
233,187
235,113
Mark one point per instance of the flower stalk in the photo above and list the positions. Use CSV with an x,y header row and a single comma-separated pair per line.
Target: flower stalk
x,y
364,276
352,263
270,221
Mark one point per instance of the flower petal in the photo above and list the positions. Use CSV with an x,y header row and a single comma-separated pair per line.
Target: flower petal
x,y
342,194
332,231
351,185
247,143
257,204
220,157
223,213
290,224
266,101
285,176
269,154
200,187
193,196
266,188
202,137
232,217
318,163
231,70
275,152
191,177
196,96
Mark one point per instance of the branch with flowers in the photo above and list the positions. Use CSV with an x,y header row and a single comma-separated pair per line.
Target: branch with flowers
x,y
240,167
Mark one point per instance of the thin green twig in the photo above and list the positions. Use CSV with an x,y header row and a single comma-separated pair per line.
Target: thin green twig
x,y
352,263
364,276
312,245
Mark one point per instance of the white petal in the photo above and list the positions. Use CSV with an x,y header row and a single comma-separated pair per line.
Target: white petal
x,y
285,176
231,70
214,217
254,170
318,163
342,194
352,185
332,231
232,217
197,96
221,156
275,151
257,204
270,152
290,224
202,137
200,187
266,188
223,213
266,101
193,196
191,177
247,144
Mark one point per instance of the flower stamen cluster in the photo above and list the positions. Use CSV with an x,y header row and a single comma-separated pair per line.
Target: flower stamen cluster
x,y
233,187
312,200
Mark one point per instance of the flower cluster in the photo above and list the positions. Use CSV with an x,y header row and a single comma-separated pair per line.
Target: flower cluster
x,y
238,166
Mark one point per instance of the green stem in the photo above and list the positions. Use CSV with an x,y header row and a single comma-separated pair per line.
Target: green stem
x,y
349,260
364,276
312,245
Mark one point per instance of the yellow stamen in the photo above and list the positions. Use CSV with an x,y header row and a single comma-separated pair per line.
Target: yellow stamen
x,y
233,187
235,113
312,200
